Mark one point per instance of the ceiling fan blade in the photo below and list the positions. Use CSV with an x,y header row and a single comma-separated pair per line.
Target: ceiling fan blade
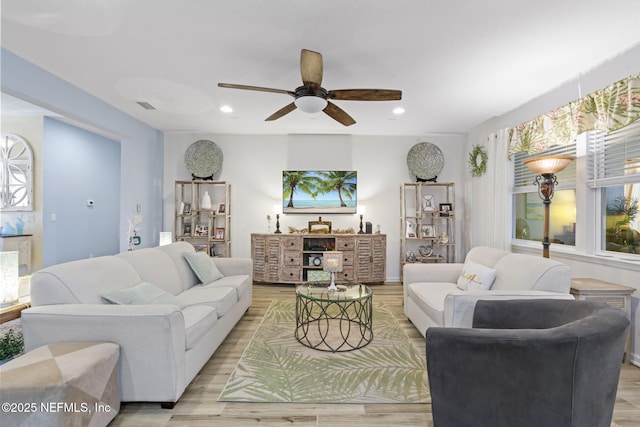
x,y
311,68
258,88
338,114
366,94
281,112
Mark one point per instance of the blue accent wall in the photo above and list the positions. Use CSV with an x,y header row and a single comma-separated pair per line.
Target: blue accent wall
x,y
79,166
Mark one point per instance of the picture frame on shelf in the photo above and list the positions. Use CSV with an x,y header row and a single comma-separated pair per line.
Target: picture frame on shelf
x,y
319,227
410,229
222,208
428,230
428,203
186,229
219,235
446,209
186,208
201,248
201,230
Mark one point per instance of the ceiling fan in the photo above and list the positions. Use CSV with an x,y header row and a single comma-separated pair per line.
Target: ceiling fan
x,y
311,97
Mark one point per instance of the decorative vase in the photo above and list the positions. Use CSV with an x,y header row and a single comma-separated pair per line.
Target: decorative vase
x,y
20,226
206,201
8,230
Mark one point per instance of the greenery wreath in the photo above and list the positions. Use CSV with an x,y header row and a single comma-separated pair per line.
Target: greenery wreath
x,y
478,160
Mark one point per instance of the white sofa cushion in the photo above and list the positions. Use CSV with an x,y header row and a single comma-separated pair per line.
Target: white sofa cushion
x,y
526,272
430,296
198,320
155,267
241,283
222,298
144,293
83,281
175,252
476,277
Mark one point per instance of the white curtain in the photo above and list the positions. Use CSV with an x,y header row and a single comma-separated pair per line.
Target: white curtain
x,y
499,188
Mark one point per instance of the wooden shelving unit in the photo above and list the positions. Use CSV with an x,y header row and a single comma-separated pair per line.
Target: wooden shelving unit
x,y
427,222
207,229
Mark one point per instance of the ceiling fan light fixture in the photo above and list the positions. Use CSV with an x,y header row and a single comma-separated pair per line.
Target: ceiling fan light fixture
x,y
311,103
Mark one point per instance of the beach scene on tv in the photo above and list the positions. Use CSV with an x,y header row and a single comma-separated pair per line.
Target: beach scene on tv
x,y
319,191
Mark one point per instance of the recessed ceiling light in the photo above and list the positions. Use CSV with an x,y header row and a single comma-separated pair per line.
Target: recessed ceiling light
x,y
226,109
398,110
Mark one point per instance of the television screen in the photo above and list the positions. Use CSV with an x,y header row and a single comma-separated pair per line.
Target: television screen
x,y
319,191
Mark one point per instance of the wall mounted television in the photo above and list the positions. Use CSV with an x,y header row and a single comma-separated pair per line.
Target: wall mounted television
x,y
319,191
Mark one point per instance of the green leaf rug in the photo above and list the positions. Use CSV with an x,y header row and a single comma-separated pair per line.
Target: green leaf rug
x,y
275,367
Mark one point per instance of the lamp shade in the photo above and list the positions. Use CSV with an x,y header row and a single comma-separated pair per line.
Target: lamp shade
x,y
548,164
310,103
166,238
332,261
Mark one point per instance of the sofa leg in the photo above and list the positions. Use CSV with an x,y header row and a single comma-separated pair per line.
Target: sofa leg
x,y
167,405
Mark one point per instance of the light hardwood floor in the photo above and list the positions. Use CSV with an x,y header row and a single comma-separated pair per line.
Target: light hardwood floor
x,y
199,406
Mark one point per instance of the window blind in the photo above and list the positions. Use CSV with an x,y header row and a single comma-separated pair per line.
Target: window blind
x,y
524,178
614,158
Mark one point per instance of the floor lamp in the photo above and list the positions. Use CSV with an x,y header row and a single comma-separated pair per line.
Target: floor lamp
x,y
547,167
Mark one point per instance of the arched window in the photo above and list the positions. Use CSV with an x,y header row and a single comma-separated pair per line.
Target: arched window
x,y
16,174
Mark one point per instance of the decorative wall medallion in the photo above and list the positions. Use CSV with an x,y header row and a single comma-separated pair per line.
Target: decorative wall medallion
x,y
425,161
203,159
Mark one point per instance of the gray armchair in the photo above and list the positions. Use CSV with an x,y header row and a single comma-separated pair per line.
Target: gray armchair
x,y
528,363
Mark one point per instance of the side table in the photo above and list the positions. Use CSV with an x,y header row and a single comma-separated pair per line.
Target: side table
x,y
610,293
334,320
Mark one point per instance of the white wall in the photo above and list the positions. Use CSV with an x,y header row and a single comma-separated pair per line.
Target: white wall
x,y
624,273
253,165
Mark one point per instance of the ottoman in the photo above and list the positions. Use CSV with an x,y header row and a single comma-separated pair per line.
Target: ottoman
x,y
62,384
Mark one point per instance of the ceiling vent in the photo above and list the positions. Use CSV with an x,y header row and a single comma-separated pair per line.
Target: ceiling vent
x,y
145,105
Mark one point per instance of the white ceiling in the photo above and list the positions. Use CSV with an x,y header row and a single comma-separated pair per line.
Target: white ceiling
x,y
457,62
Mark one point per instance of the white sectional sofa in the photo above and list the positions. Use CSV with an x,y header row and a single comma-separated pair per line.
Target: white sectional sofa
x,y
163,343
432,296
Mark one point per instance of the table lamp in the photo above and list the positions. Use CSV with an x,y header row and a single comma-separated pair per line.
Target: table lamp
x,y
166,238
332,262
9,277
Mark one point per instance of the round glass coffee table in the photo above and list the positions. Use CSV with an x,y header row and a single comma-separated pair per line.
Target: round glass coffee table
x,y
334,321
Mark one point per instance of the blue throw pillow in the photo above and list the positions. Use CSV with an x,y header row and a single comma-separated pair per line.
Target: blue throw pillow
x,y
143,294
203,266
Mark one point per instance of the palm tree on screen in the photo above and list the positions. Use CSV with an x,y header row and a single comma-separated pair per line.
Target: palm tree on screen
x,y
293,181
344,182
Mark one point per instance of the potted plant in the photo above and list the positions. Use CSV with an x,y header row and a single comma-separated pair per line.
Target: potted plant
x,y
11,345
621,213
